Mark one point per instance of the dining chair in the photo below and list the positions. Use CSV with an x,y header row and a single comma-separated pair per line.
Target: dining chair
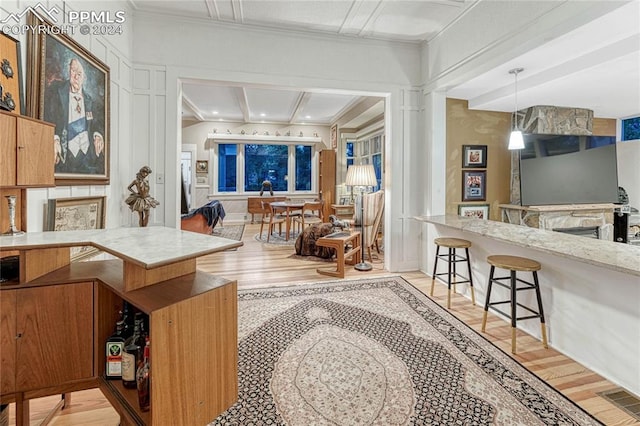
x,y
311,213
271,217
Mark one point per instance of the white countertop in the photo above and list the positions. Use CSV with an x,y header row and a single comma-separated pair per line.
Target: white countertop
x,y
147,247
607,254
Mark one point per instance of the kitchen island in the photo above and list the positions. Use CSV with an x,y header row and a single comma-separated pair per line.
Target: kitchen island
x,y
590,289
56,318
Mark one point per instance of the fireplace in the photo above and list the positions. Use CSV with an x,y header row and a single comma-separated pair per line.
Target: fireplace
x,y
582,231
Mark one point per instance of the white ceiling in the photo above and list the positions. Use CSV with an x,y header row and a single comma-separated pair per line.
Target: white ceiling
x,y
595,67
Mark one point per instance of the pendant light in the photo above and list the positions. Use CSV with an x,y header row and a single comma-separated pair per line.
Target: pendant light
x,y
515,140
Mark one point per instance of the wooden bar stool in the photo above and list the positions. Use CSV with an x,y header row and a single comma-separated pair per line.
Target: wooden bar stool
x,y
515,264
452,258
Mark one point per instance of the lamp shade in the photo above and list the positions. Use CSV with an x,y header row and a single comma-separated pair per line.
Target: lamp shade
x,y
515,140
361,175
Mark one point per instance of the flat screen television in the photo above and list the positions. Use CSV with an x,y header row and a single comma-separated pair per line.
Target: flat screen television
x,y
568,169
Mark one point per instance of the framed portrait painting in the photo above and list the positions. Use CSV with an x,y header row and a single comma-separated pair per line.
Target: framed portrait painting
x,y
476,211
474,156
474,185
76,214
11,98
69,87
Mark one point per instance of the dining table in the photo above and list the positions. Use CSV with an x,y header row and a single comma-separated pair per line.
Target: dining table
x,y
289,207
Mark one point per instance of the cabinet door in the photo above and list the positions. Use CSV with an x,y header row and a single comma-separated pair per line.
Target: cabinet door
x,y
56,328
7,341
36,155
8,150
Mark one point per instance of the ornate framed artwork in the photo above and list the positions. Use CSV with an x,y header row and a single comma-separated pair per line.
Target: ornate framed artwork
x,y
69,87
476,211
11,98
474,185
76,214
202,166
474,156
334,136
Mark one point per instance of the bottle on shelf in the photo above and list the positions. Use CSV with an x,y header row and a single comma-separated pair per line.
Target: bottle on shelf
x,y
115,349
133,350
126,315
143,380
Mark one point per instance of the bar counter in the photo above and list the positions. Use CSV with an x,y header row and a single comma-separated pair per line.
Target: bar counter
x,y
606,254
590,288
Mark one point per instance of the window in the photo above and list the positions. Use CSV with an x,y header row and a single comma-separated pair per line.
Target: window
x,y
370,152
242,168
630,129
227,167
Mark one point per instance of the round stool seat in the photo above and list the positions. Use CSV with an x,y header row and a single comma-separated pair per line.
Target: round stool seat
x,y
514,263
452,242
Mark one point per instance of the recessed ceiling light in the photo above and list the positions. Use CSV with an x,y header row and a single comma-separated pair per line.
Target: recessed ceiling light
x,y
307,117
215,112
262,114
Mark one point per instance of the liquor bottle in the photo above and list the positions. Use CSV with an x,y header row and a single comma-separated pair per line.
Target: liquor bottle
x,y
127,318
133,353
144,380
115,348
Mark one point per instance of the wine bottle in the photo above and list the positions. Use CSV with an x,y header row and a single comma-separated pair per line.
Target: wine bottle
x,y
133,353
115,348
127,318
144,380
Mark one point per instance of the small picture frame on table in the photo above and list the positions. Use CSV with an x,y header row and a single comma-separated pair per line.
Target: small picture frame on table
x,y
476,211
474,184
474,156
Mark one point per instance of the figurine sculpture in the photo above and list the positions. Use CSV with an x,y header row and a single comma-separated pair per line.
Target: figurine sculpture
x,y
266,186
139,200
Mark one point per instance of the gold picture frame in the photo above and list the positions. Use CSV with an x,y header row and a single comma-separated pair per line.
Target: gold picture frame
x,y
56,64
76,214
202,166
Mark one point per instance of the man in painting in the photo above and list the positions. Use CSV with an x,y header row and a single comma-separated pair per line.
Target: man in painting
x,y
79,134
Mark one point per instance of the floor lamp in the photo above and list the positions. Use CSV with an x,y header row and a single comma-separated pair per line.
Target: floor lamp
x,y
363,176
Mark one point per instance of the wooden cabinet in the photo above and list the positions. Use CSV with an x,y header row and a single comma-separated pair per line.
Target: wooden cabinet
x,y
26,149
254,204
46,334
327,180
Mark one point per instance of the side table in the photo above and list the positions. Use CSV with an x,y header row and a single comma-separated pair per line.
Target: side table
x,y
340,241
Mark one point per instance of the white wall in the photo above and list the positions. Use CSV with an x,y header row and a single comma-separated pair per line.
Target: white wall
x,y
115,51
182,50
628,153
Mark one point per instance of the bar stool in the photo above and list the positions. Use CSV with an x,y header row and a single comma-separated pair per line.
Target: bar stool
x,y
515,264
452,258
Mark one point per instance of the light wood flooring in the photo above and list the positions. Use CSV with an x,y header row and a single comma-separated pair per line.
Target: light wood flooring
x,y
257,265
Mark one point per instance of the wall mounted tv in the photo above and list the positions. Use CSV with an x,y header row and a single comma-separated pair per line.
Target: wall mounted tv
x,y
567,169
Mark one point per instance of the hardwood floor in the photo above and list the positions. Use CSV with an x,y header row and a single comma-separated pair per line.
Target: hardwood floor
x,y
257,265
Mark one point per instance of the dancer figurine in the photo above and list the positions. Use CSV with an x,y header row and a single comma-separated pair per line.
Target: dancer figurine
x,y
140,201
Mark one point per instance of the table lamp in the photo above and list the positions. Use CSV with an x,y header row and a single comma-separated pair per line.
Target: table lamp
x,y
362,175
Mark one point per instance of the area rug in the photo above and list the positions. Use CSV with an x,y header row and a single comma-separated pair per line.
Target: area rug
x,y
311,258
377,352
232,232
276,239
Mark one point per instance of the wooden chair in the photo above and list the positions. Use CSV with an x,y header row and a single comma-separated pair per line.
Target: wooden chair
x,y
271,217
373,210
311,213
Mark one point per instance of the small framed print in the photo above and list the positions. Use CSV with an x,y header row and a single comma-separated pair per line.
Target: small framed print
x,y
474,156
334,136
474,185
475,211
202,166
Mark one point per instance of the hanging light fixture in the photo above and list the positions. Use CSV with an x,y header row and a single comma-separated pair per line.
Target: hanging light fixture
x,y
515,140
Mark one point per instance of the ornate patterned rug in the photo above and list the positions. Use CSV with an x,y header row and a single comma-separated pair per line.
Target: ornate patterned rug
x,y
377,352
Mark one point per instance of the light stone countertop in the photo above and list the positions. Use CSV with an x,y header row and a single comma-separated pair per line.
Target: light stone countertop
x,y
619,257
147,247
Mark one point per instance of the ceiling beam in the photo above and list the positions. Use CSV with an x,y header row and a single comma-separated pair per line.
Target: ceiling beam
x,y
365,30
302,101
212,7
358,109
243,103
192,107
238,15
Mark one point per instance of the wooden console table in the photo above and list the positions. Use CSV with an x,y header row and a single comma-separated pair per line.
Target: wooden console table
x,y
57,316
340,241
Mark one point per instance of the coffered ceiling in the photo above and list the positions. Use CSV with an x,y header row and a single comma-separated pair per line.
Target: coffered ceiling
x,y
596,66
